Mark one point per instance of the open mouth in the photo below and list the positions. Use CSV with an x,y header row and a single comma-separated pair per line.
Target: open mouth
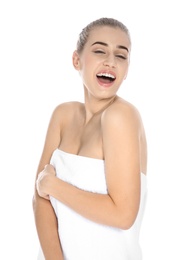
x,y
106,78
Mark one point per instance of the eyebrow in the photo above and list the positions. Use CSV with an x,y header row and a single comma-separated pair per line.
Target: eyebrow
x,y
101,43
123,47
118,46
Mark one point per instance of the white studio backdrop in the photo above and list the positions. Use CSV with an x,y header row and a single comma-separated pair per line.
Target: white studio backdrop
x,y
37,39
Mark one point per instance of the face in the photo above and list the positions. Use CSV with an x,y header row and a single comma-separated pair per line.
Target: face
x,y
104,61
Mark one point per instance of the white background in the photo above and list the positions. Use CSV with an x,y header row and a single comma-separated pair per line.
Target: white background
x,y
37,39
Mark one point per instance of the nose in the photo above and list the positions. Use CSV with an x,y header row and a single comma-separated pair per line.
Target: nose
x,y
110,61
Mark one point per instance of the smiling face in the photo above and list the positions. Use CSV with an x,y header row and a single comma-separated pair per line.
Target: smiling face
x,y
104,61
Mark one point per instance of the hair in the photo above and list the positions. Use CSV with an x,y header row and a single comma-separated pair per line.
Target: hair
x,y
111,22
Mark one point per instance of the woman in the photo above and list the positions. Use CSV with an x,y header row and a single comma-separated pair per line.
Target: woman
x,y
91,179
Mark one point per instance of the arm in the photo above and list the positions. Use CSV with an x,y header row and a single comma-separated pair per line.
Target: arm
x,y
121,147
45,219
47,229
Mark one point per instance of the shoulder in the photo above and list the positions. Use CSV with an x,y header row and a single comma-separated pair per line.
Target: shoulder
x,y
67,109
68,106
121,114
61,116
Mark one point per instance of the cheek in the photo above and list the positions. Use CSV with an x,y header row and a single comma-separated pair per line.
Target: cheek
x,y
88,61
86,66
125,69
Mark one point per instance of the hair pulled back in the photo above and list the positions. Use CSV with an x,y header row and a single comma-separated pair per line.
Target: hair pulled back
x,y
83,36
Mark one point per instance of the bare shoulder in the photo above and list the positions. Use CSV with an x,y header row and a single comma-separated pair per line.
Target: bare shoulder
x,y
122,118
67,109
66,106
61,116
122,127
122,111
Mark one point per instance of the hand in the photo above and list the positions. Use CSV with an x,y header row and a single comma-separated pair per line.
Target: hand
x,y
42,182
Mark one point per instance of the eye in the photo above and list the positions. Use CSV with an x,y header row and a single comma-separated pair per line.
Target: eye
x,y
99,52
121,57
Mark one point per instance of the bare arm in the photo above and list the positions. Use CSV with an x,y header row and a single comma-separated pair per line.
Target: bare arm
x,y
47,229
45,219
121,145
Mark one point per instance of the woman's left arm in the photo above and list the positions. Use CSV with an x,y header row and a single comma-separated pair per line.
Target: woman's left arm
x,y
121,145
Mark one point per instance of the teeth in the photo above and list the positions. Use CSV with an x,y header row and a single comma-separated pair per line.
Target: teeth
x,y
106,75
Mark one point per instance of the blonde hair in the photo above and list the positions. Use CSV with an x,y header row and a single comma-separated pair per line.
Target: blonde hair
x,y
83,36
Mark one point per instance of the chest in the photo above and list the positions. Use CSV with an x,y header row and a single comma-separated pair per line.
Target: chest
x,y
85,140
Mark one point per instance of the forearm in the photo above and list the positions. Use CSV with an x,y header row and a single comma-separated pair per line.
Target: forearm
x,y
47,229
99,208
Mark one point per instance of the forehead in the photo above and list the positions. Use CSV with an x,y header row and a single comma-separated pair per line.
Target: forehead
x,y
109,35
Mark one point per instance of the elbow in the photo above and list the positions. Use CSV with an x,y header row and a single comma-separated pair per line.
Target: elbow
x,y
126,224
125,220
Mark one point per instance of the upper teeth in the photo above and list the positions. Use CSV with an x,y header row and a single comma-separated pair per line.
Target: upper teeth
x,y
106,75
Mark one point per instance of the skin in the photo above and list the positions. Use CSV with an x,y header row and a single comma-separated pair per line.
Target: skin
x,y
104,127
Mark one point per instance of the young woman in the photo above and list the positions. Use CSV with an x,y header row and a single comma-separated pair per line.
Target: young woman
x,y
91,179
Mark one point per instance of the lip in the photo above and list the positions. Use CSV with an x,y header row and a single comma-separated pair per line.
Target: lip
x,y
103,83
107,72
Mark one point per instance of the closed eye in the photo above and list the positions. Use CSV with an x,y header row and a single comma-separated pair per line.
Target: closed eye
x,y
121,57
99,51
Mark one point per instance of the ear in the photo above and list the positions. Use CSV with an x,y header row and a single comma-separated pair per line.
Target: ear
x,y
76,60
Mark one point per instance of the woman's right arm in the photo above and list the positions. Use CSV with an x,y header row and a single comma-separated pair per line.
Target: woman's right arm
x,y
45,219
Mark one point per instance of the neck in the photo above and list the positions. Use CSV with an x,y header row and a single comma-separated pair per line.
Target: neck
x,y
94,106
